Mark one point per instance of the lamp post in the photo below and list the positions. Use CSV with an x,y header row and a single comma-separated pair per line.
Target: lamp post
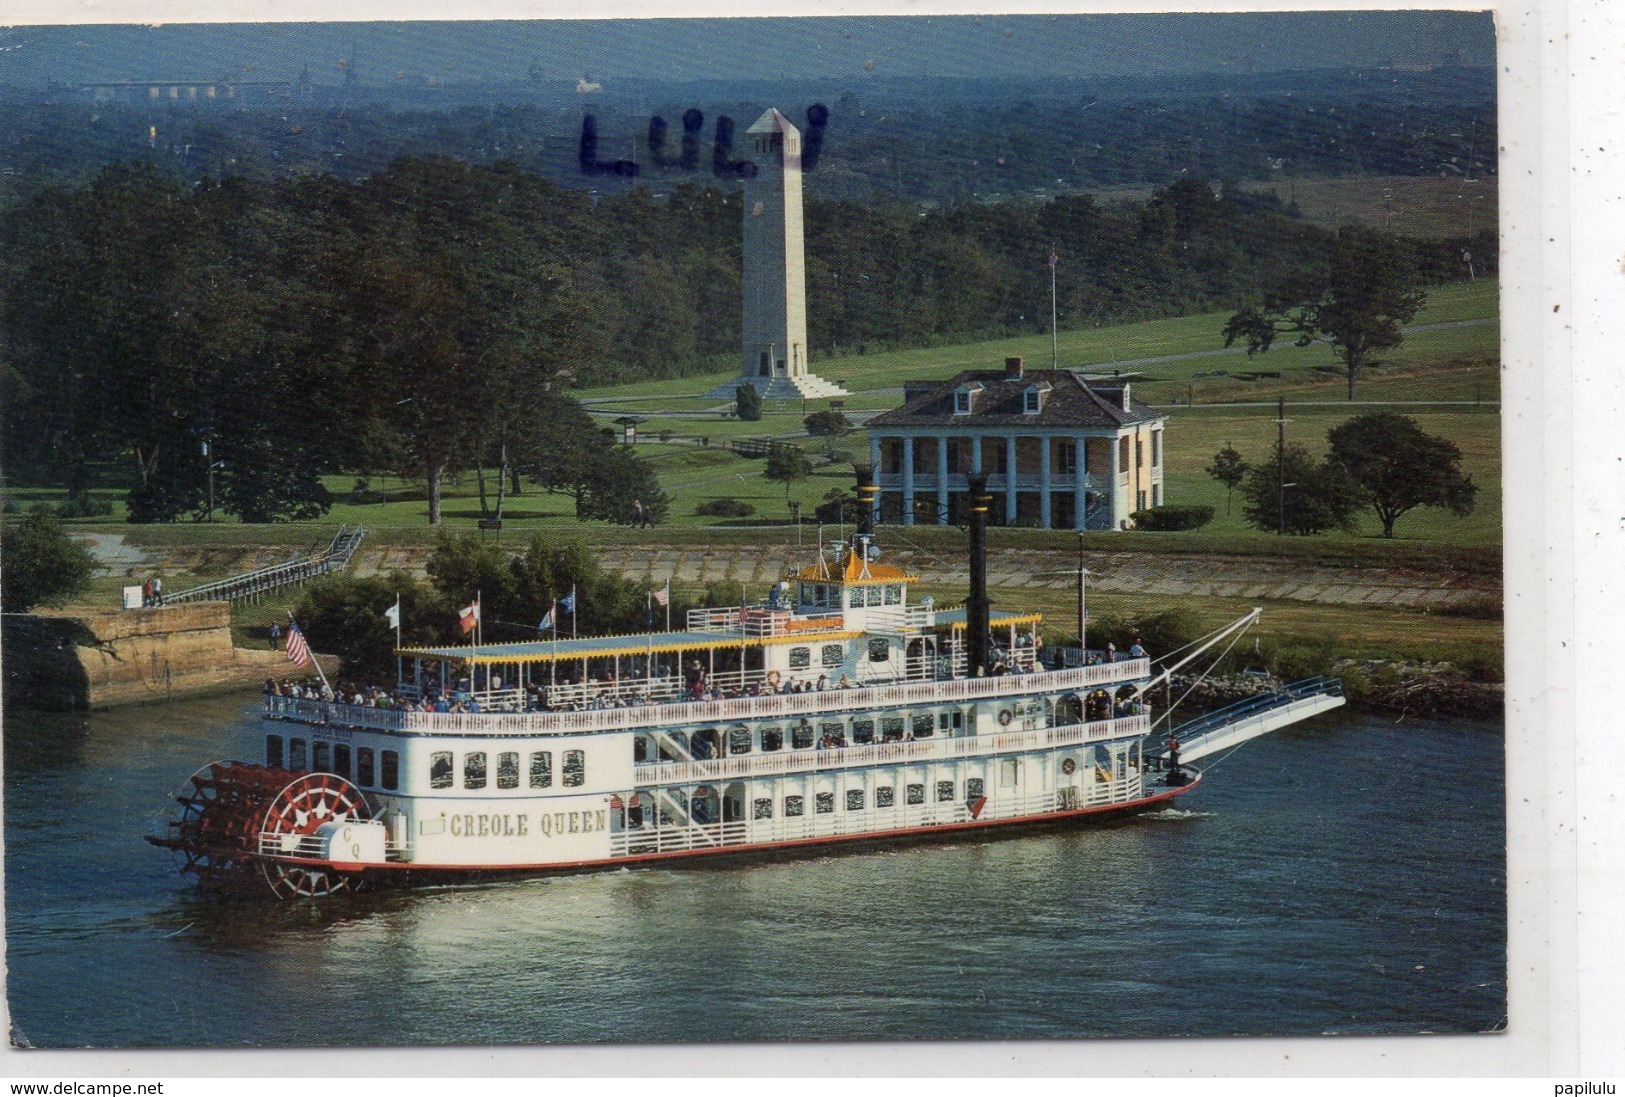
x,y
795,517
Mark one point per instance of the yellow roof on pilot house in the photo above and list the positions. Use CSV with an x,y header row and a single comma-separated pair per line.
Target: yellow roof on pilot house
x,y
855,572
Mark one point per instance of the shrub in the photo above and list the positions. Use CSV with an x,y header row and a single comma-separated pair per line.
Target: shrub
x,y
40,564
827,423
1166,518
725,508
84,506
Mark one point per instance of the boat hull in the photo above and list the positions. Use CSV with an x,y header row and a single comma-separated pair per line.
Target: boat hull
x,y
396,875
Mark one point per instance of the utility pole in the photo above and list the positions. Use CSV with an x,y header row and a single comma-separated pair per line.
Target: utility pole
x,y
1280,466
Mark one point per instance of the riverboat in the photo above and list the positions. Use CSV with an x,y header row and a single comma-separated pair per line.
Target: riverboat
x,y
840,709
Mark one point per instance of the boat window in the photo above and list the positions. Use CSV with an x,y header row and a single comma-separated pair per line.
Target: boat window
x,y
640,748
273,751
541,769
885,796
832,732
800,658
296,754
916,794
924,725
894,594
879,650
794,805
508,769
474,769
739,741
825,803
318,757
440,769
833,654
802,736
974,787
945,791
341,759
634,813
772,738
863,731
390,777
763,808
891,728
854,799
575,768
951,721
363,766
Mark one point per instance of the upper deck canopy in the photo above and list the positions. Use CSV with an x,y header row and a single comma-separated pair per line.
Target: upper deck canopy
x,y
856,570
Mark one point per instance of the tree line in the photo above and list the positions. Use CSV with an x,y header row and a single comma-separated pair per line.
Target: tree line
x,y
433,318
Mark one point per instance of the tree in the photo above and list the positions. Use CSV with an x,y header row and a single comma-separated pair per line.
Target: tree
x,y
830,423
1318,495
1358,303
749,403
1228,469
344,615
1401,467
40,564
787,464
265,482
840,507
615,483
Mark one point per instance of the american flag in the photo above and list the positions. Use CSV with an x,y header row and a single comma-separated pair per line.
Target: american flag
x,y
662,597
1053,258
297,649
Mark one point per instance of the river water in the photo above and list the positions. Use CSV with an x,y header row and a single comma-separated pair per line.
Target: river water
x,y
1346,875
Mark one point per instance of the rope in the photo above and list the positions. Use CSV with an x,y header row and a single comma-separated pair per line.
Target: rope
x,y
1202,678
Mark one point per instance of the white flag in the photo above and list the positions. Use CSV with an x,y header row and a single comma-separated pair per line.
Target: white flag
x,y
393,613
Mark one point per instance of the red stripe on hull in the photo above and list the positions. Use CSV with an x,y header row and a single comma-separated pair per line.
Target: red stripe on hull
x,y
899,836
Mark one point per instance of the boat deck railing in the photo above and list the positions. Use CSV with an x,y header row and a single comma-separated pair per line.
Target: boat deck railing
x,y
770,706
876,754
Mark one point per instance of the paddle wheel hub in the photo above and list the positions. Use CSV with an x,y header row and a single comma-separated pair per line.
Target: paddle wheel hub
x,y
243,827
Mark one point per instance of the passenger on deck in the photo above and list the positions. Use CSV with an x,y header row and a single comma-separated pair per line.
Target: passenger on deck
x,y
1111,652
1135,651
823,682
844,683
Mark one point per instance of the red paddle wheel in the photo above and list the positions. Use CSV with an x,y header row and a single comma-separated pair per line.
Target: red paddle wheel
x,y
239,820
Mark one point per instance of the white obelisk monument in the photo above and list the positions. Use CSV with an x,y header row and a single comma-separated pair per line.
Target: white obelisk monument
x,y
774,334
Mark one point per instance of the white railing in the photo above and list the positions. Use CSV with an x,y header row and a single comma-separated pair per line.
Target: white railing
x,y
841,823
775,706
876,754
309,846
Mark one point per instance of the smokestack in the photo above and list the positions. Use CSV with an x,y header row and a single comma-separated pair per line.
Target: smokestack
x,y
1126,406
866,498
977,609
1012,368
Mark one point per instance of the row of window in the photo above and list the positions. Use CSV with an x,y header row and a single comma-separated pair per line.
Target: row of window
x,y
885,797
828,596
830,656
442,769
996,458
806,735
380,770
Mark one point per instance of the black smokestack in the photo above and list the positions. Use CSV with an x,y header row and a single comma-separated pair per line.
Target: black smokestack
x,y
866,498
977,609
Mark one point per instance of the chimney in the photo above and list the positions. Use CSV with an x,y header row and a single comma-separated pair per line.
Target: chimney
x,y
977,609
1126,406
866,500
1012,369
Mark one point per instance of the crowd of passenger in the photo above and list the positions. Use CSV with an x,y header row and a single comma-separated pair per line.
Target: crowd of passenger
x,y
608,692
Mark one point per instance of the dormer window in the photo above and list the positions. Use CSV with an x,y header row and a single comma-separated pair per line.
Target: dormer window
x,y
965,398
1032,399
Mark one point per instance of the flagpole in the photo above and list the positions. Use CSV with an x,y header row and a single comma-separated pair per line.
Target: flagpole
x,y
1054,338
668,603
553,665
400,664
575,613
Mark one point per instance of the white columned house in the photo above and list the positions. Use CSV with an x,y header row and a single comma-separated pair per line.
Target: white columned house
x,y
1061,452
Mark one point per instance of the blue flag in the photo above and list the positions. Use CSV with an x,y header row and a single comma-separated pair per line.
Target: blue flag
x,y
547,620
568,604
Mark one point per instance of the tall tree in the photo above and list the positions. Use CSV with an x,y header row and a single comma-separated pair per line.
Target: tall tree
x,y
1299,494
40,564
1229,469
787,464
1401,466
1357,302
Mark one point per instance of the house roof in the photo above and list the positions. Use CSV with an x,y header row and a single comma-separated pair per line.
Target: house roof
x,y
1070,403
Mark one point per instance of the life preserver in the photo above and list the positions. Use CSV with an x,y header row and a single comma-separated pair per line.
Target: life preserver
x,y
1069,767
1005,716
774,678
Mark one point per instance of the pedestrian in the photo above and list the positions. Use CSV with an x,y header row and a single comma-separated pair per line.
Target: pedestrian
x,y
1135,651
276,635
157,591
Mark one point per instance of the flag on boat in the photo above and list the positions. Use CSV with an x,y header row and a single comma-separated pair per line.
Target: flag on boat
x,y
568,603
976,807
393,613
469,616
547,618
663,596
297,649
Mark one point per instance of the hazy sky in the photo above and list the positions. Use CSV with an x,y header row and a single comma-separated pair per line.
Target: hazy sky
x,y
1030,45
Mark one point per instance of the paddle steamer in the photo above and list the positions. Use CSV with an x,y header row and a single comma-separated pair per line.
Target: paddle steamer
x,y
839,709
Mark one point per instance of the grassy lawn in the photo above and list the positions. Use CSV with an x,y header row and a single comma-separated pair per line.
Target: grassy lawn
x,y
1458,363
